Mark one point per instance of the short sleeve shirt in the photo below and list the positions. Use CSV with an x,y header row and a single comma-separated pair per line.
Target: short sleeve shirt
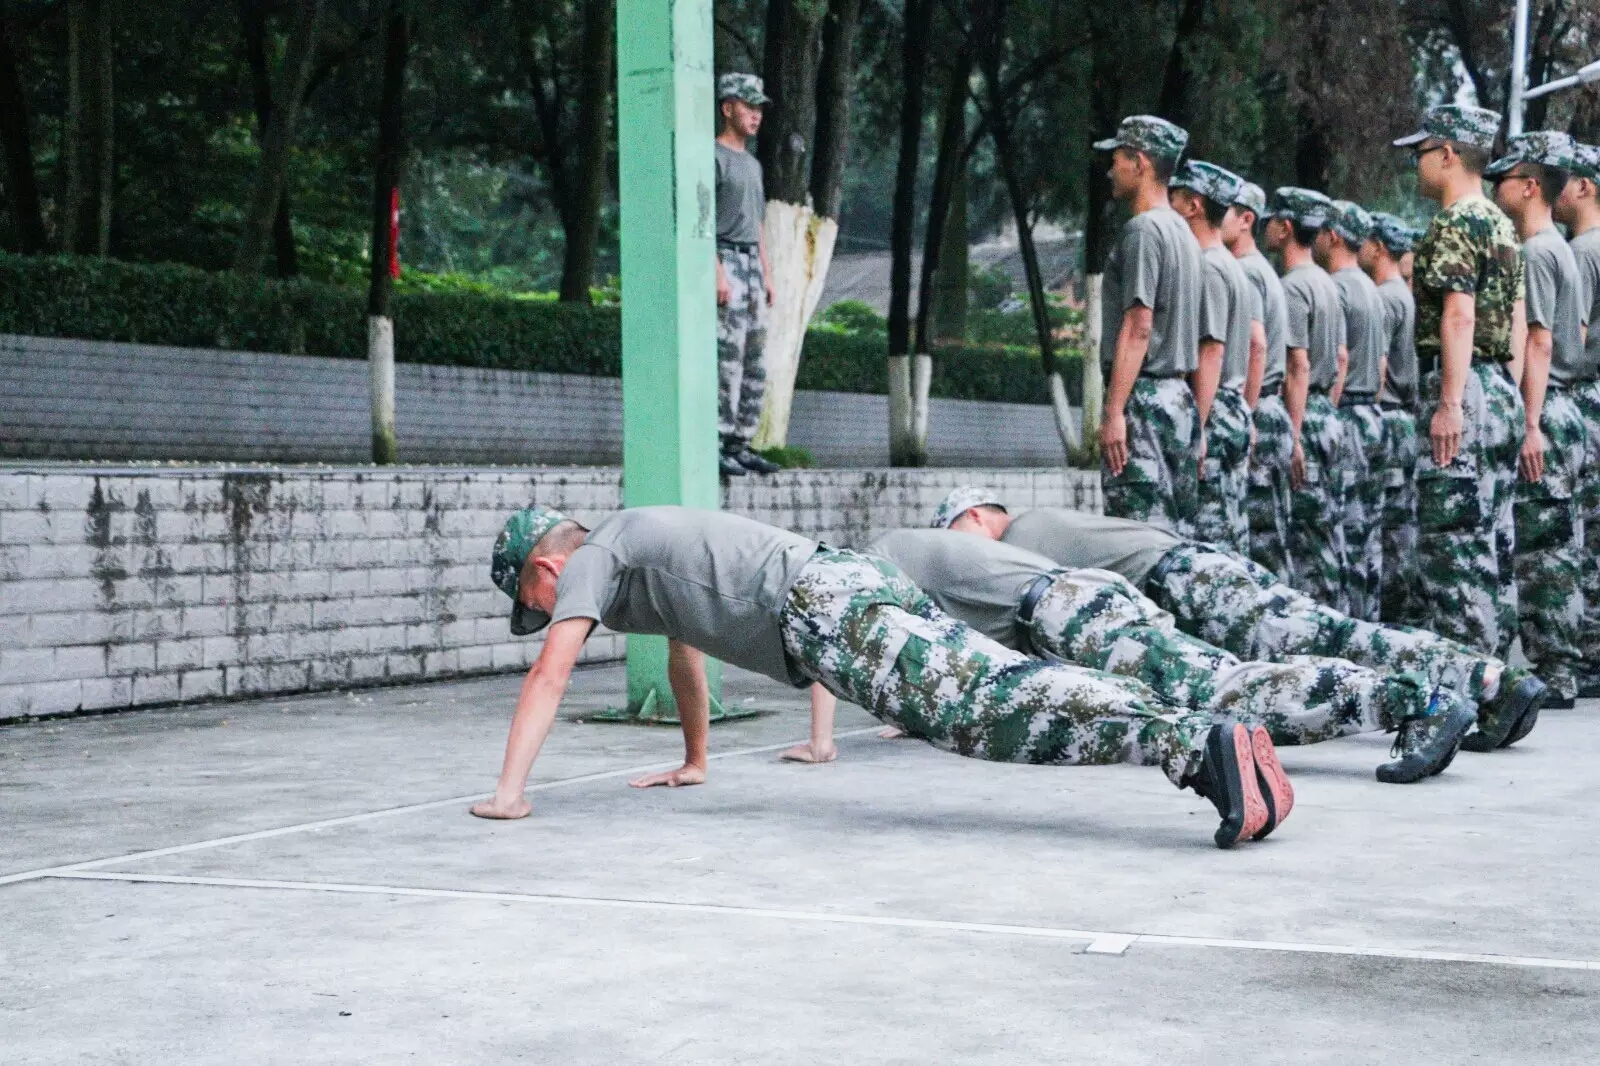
x,y
1586,249
1399,330
1554,298
1078,540
1315,321
973,578
1226,307
714,581
1363,318
1155,264
1469,248
1274,315
741,198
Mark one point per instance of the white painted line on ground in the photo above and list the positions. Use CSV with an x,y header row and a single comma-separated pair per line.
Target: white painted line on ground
x,y
1099,942
367,816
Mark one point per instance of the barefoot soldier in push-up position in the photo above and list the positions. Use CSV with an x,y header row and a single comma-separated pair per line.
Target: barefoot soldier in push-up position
x,y
778,604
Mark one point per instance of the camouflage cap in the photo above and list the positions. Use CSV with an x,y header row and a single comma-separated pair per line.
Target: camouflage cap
x,y
1303,207
1393,232
1475,126
745,87
959,502
1350,221
1147,133
1543,147
1586,161
1219,185
1251,197
522,531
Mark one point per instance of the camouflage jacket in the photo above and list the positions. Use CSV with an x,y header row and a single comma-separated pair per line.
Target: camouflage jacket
x,y
1471,247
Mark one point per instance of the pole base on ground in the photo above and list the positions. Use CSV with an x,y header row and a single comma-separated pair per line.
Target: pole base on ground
x,y
653,710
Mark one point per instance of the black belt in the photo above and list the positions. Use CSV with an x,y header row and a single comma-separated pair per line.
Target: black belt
x,y
1175,376
1352,399
1270,391
739,247
1397,405
1025,608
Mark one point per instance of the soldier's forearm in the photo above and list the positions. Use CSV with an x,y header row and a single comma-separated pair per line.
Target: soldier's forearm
x,y
1535,374
1455,347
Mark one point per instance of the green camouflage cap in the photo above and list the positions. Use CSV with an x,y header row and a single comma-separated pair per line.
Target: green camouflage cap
x,y
1393,232
1303,207
1252,197
746,87
1475,126
1350,221
522,531
959,502
1146,133
1586,161
1217,184
1543,147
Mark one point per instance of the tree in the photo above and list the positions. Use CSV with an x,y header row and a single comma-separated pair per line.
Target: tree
x,y
903,450
253,21
22,187
86,212
385,191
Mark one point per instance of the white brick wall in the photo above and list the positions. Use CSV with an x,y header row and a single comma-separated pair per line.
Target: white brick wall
x,y
137,586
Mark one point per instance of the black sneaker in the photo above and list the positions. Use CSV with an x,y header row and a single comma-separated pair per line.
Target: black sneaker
x,y
730,466
1511,715
1427,743
1227,777
755,463
1589,687
1555,701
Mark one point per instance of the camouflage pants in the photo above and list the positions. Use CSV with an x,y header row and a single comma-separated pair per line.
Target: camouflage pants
x,y
1587,397
1231,602
1361,486
1549,559
1399,515
1267,500
1316,525
741,344
1098,619
1466,534
856,625
1220,517
1161,479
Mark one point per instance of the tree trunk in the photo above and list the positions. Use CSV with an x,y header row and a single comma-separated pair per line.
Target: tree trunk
x,y
87,131
279,137
253,16
950,281
1177,81
789,69
22,187
1545,40
102,128
914,62
588,188
1312,156
952,145
385,183
835,83
1103,97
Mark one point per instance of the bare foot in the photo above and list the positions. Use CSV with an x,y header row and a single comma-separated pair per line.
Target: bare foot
x,y
893,732
687,774
805,753
494,808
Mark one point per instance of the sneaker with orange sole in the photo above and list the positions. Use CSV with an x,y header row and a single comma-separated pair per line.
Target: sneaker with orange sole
x,y
1270,778
1227,777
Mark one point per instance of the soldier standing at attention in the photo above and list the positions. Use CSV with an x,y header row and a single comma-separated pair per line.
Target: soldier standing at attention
x,y
1380,256
1231,338
1361,466
1528,181
1468,282
744,291
1316,364
1150,437
1267,497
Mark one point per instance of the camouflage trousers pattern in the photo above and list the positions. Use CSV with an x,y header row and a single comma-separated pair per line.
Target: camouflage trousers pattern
x,y
1267,499
1361,483
1220,516
1316,522
1466,533
856,625
1160,482
1399,603
1587,397
1098,619
741,347
1231,602
1549,548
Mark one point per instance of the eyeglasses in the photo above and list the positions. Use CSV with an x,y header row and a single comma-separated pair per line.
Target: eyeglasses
x,y
1418,152
1498,178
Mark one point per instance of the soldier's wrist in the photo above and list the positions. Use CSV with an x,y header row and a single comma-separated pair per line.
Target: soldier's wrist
x,y
1449,405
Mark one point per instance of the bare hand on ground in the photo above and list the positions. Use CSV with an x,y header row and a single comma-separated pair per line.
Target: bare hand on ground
x,y
493,808
686,774
807,754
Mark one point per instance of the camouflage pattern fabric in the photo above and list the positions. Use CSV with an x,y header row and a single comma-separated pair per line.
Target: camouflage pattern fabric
x,y
1267,499
1154,136
746,87
1220,513
1587,397
1470,247
856,625
1305,207
1549,549
1544,147
1462,123
1465,530
1399,516
1098,619
1217,184
1361,488
1316,519
741,342
1160,483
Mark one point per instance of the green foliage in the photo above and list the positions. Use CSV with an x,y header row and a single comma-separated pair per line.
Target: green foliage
x,y
988,288
790,457
842,363
1016,327
854,317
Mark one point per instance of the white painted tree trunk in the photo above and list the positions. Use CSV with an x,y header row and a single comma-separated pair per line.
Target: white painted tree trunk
x,y
799,251
380,359
1066,426
902,426
921,382
1094,386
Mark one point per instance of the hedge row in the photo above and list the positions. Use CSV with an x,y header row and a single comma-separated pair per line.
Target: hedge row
x,y
100,299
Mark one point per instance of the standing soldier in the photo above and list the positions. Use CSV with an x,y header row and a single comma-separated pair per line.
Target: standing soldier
x,y
1315,368
1391,240
1150,434
1361,467
744,291
1469,283
1267,499
1232,338
1528,180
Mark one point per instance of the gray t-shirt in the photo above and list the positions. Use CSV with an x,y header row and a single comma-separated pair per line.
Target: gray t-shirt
x,y
711,580
1315,321
1363,318
1586,249
1076,540
1269,290
741,200
1554,301
1227,306
1155,264
970,577
1400,327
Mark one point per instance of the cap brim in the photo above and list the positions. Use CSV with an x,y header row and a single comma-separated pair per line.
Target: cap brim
x,y
1107,145
1408,141
527,620
1500,166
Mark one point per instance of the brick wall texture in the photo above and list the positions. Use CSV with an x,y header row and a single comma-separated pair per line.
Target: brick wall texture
x,y
127,587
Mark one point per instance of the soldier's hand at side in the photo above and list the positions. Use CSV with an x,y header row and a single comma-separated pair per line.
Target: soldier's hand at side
x,y
724,290
687,774
1202,457
1297,467
1251,452
1445,432
772,294
1114,442
1532,459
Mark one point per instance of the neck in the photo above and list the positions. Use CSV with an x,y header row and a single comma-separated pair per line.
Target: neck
x,y
1586,217
1534,217
1244,246
1205,233
732,138
1341,258
1151,195
1296,255
1385,269
1459,186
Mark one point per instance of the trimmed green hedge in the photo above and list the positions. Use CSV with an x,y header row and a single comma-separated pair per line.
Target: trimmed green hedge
x,y
102,299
